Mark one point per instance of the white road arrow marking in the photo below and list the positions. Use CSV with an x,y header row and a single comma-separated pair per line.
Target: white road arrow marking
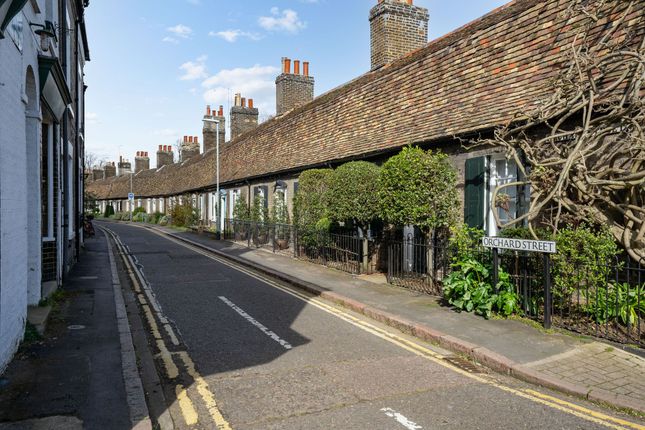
x,y
410,425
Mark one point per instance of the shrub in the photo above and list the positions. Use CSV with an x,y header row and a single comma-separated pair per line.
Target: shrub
x,y
583,260
464,242
353,193
183,215
138,210
419,188
280,211
109,211
241,210
259,212
163,220
309,204
154,219
140,217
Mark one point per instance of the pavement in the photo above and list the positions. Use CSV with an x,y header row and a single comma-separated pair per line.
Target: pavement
x,y
572,364
73,377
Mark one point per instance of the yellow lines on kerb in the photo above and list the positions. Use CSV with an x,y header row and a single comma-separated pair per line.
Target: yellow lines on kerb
x,y
150,309
413,347
186,406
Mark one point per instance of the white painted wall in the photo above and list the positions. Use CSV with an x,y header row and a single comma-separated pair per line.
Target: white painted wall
x,y
17,255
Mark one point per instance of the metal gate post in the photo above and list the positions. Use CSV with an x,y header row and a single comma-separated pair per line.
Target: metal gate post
x,y
547,291
495,269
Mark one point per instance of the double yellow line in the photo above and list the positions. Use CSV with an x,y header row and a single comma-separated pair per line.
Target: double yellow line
x,y
150,309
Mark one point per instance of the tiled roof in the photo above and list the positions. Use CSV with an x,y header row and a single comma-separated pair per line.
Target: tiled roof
x,y
474,78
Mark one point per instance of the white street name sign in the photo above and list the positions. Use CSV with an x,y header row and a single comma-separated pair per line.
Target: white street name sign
x,y
519,244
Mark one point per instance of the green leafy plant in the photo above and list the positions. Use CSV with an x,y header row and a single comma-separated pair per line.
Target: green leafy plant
x,y
183,215
618,302
139,210
310,202
353,193
464,242
280,211
240,210
259,212
109,211
468,288
583,260
418,187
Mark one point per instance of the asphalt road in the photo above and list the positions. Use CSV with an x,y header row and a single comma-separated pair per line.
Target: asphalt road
x,y
266,359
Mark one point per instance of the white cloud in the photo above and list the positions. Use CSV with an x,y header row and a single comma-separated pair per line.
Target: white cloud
x,y
194,69
286,20
169,39
231,36
257,82
181,30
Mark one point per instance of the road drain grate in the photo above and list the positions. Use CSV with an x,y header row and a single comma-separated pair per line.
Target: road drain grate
x,y
464,364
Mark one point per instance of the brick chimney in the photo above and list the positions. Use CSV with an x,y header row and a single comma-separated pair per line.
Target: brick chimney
x,y
243,118
164,156
210,128
293,89
125,167
141,162
98,173
189,148
397,28
110,169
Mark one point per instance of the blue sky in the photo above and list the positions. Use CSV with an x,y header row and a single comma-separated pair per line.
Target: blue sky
x,y
157,64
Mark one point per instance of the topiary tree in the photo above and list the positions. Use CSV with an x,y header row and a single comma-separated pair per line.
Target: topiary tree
x,y
240,210
418,187
309,203
259,212
109,211
353,193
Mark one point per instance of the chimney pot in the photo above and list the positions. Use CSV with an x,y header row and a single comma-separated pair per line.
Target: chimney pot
x,y
208,110
296,67
190,139
305,67
250,103
160,147
287,66
238,99
196,139
221,111
243,102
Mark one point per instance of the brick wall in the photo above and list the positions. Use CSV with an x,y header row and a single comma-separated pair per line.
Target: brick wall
x,y
141,162
243,120
293,91
164,157
396,28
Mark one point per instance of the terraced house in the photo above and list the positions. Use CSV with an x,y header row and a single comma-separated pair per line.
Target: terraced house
x,y
43,50
460,86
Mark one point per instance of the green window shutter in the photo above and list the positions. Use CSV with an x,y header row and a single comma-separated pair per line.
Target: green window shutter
x,y
475,192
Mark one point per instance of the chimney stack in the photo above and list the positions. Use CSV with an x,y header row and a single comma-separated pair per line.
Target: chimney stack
x,y
189,148
209,130
110,170
164,156
293,89
141,162
397,28
98,173
243,118
125,167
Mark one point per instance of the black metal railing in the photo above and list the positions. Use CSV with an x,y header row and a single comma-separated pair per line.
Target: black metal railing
x,y
338,250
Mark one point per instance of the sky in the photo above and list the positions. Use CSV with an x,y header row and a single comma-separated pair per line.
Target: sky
x,y
155,65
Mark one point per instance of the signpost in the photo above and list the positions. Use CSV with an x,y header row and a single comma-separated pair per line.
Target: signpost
x,y
524,245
